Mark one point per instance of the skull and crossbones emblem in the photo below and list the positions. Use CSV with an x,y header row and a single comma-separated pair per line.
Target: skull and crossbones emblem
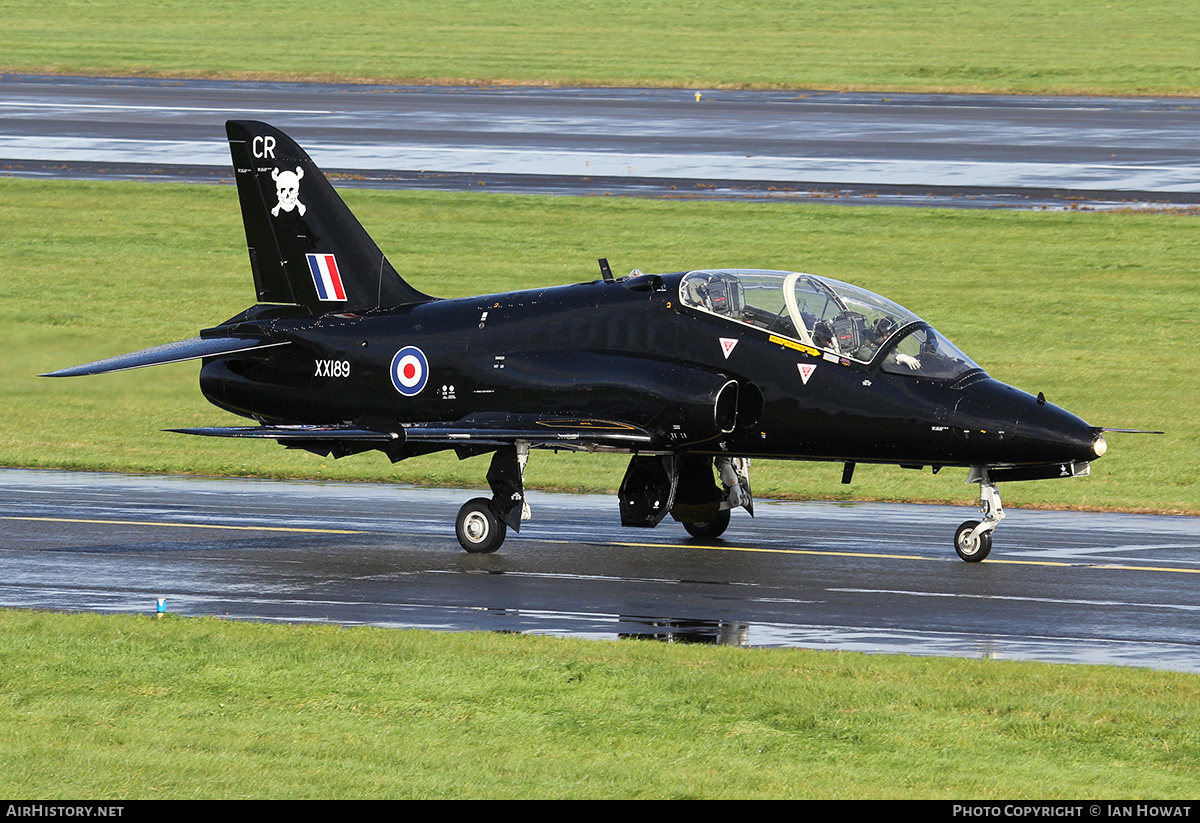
x,y
287,191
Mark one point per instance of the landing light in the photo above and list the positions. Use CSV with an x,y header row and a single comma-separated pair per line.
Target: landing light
x,y
1100,446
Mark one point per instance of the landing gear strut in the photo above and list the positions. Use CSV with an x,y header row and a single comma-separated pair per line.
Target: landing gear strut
x,y
973,538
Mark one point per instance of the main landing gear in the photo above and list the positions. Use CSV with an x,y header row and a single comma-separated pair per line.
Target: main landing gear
x,y
654,486
478,528
482,523
973,539
649,492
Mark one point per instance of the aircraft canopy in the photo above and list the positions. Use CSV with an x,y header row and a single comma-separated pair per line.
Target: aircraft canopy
x,y
829,315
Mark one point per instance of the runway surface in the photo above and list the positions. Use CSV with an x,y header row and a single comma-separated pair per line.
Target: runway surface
x,y
1059,586
916,149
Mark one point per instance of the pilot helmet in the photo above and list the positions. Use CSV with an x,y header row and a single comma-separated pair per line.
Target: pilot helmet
x,y
884,328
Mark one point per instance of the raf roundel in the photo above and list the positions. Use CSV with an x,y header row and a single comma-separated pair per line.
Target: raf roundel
x,y
410,370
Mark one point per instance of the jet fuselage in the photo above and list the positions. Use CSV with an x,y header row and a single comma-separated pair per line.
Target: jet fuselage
x,y
630,351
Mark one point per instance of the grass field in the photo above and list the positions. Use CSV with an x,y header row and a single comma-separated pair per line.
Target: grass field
x,y
1023,46
123,707
1096,310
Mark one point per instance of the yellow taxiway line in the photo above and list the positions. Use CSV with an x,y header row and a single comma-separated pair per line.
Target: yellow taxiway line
x,y
185,525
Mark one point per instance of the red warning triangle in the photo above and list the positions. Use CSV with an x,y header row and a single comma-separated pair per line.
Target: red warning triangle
x,y
806,370
727,344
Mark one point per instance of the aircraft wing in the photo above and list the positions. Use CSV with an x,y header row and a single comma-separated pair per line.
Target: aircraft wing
x,y
191,349
492,432
285,434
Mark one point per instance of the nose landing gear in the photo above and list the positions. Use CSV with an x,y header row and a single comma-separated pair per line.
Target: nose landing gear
x,y
973,538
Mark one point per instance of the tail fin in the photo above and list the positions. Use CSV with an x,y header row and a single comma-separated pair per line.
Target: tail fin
x,y
305,245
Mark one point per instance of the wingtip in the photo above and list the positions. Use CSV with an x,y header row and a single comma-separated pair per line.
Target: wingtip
x,y
73,371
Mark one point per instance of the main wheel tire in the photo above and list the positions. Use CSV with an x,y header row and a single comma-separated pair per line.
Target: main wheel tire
x,y
972,550
709,528
479,530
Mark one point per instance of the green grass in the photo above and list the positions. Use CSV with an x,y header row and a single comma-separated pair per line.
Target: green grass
x,y
1022,46
1097,310
123,707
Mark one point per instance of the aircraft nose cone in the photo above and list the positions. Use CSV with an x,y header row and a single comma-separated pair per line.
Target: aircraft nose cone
x,y
1002,424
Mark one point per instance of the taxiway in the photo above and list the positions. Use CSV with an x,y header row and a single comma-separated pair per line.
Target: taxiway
x,y
1060,586
914,149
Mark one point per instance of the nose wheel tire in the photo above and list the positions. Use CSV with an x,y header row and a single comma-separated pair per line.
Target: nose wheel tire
x,y
972,549
709,528
479,530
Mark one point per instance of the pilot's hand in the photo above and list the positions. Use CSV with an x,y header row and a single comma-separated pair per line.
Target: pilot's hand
x,y
908,360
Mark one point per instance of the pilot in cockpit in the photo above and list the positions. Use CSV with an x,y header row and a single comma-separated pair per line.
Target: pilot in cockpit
x,y
847,334
881,330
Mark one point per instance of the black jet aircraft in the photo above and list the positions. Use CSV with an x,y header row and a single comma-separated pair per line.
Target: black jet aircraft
x,y
693,373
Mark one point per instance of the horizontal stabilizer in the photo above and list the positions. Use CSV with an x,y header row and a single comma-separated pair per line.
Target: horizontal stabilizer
x,y
176,352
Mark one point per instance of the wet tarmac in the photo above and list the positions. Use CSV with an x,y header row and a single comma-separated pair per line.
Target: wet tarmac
x,y
915,149
1059,586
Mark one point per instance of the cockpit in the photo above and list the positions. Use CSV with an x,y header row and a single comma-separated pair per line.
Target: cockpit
x,y
819,313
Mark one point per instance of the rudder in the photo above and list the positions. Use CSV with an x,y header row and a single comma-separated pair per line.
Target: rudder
x,y
305,244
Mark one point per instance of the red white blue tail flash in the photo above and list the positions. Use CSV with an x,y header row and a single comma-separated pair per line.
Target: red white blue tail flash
x,y
325,277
